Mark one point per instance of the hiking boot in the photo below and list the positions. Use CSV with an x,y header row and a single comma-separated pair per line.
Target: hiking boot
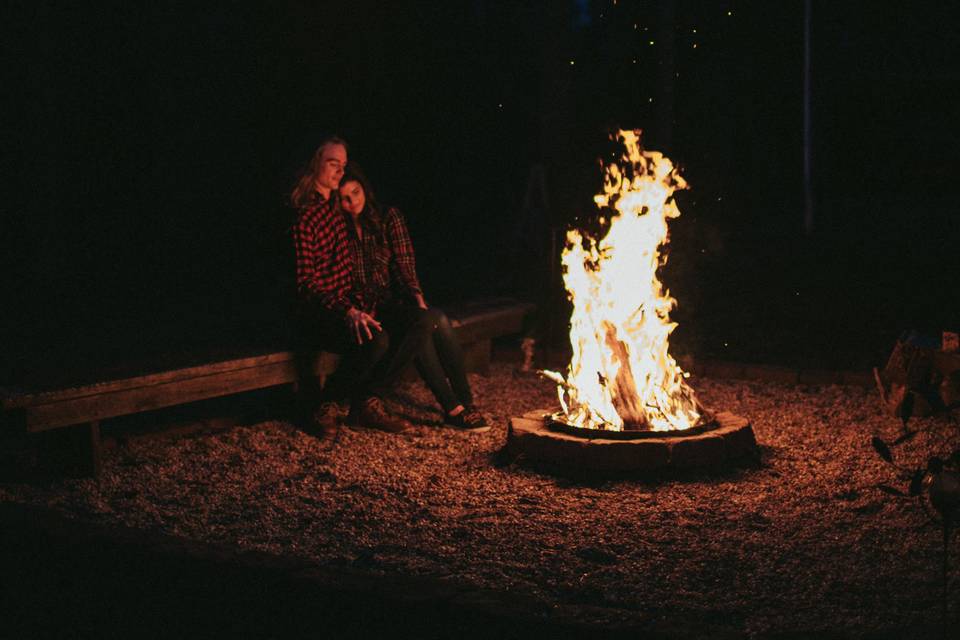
x,y
325,422
468,420
371,413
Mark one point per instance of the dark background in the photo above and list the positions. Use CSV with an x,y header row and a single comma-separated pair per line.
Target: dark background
x,y
148,152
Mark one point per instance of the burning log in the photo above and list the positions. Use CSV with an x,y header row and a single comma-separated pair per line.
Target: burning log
x,y
623,394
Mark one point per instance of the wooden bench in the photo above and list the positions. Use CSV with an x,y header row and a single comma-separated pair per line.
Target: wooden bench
x,y
84,406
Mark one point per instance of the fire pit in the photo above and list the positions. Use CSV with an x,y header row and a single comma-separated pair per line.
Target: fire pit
x,y
537,438
625,403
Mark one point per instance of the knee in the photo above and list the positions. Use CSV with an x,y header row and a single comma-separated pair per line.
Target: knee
x,y
379,344
436,319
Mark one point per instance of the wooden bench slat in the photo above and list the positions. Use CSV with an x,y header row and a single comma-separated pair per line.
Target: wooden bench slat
x,y
519,310
491,324
106,405
109,386
41,417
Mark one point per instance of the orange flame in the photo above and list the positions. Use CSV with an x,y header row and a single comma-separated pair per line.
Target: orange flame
x,y
621,375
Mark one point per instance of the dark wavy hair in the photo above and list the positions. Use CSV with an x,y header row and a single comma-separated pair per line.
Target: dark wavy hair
x,y
371,218
302,194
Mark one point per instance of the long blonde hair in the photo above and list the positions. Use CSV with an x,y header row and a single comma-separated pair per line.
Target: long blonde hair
x,y
302,193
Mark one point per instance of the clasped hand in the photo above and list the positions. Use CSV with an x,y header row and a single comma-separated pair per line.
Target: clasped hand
x,y
360,323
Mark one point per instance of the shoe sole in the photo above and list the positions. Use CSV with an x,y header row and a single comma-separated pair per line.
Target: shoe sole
x,y
407,429
457,427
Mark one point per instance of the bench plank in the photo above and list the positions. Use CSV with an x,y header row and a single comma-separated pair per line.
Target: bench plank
x,y
491,324
74,410
474,326
40,417
23,399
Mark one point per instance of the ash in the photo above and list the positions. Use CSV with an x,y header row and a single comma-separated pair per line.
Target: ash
x,y
804,542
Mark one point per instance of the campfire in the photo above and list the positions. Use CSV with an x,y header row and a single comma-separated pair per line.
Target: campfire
x,y
623,393
621,375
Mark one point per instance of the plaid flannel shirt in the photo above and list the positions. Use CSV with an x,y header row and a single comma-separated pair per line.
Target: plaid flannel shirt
x,y
382,270
324,262
403,263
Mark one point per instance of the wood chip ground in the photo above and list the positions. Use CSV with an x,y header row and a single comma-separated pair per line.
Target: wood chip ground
x,y
804,542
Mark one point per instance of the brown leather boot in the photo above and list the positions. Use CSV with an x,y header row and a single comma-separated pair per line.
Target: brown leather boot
x,y
371,414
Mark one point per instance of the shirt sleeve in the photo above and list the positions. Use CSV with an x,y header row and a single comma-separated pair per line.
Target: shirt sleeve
x,y
403,262
324,265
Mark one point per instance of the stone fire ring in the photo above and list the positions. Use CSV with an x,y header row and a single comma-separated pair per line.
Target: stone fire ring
x,y
730,442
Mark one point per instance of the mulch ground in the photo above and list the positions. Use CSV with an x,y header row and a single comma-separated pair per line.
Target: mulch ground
x,y
803,544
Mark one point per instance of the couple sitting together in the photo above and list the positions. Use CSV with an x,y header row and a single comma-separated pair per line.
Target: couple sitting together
x,y
359,296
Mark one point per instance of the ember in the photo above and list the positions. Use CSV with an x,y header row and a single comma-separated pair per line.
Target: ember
x,y
621,375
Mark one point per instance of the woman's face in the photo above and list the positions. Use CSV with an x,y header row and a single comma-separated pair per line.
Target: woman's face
x,y
352,197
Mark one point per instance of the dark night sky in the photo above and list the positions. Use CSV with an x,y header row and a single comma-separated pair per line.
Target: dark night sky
x,y
151,148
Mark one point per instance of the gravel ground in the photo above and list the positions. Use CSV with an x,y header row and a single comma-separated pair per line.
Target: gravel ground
x,y
804,543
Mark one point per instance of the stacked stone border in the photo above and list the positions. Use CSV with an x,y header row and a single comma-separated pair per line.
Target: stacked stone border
x,y
530,438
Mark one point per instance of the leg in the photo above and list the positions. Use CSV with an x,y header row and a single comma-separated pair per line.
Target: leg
x,y
409,329
96,452
433,372
381,362
315,329
307,389
451,359
451,356
316,404
367,364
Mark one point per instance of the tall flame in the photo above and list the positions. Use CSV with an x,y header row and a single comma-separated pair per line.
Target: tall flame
x,y
621,375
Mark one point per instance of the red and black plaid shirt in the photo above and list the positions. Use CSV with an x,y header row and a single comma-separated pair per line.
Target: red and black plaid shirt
x,y
324,260
403,266
383,266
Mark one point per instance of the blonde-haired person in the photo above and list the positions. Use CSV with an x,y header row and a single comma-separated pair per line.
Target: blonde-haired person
x,y
333,314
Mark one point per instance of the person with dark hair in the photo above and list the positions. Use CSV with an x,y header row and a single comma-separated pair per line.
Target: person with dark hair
x,y
336,311
385,271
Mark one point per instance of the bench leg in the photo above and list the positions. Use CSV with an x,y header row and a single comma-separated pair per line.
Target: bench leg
x,y
73,452
94,453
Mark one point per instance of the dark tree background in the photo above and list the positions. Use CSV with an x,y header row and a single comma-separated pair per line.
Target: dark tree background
x,y
149,150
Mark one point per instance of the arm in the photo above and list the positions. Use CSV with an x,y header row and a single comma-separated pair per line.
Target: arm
x,y
403,263
324,266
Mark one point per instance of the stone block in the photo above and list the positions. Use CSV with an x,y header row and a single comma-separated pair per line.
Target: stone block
x,y
739,441
626,455
697,452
